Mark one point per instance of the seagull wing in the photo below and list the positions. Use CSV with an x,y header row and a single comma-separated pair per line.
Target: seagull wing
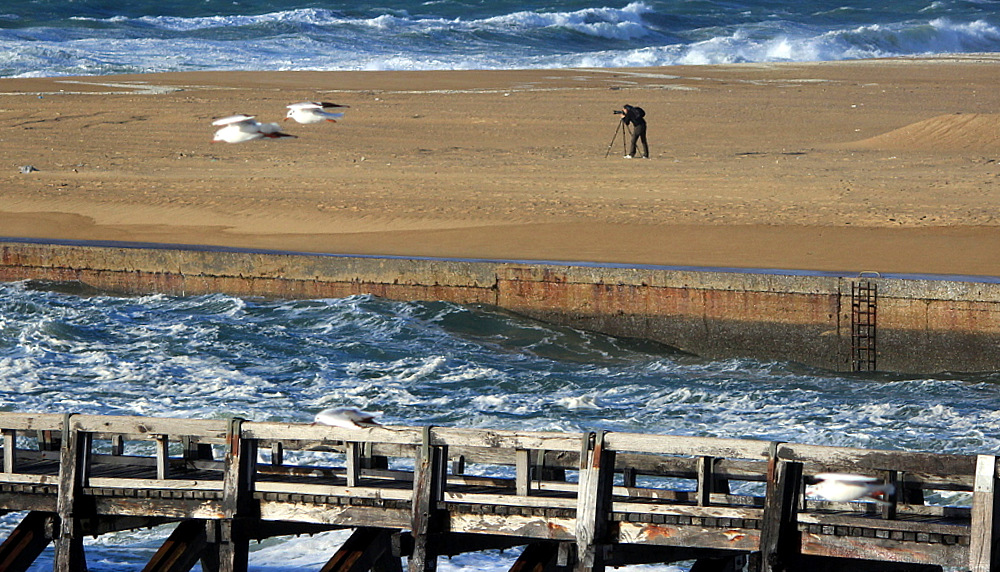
x,y
846,478
235,119
327,104
304,105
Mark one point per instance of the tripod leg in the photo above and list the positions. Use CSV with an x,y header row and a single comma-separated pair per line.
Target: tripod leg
x,y
617,129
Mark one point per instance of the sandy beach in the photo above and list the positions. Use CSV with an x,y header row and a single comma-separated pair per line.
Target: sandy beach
x,y
876,165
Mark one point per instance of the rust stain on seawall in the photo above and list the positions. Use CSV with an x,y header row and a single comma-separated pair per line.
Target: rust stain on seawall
x,y
924,325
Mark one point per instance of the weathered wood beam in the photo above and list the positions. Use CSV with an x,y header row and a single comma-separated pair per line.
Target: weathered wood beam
x,y
428,490
853,460
27,541
629,555
813,564
9,450
594,506
984,551
536,557
182,549
162,455
353,457
523,472
74,463
232,542
728,563
136,427
366,549
780,540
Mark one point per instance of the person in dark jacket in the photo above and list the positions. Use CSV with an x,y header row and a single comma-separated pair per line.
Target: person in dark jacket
x,y
636,117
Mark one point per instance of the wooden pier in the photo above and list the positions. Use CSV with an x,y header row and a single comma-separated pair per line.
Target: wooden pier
x,y
575,501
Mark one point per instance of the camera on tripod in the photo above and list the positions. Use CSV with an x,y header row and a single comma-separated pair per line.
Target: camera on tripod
x,y
618,112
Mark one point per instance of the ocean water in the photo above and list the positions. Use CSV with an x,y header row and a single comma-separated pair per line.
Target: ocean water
x,y
96,37
436,363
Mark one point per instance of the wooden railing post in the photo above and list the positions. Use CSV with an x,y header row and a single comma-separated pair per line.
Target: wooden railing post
x,y
162,443
9,450
984,554
597,467
74,463
194,451
353,455
780,541
706,480
522,479
428,491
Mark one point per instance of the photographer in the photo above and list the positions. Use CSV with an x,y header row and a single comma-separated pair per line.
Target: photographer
x,y
635,117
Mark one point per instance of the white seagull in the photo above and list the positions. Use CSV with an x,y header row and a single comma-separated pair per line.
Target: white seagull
x,y
346,418
240,128
313,112
845,487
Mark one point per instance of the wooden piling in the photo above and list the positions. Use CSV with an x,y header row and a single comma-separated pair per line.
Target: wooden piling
x,y
984,552
594,502
73,466
779,535
428,483
233,541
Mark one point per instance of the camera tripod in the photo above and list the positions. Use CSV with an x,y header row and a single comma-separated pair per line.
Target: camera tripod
x,y
621,127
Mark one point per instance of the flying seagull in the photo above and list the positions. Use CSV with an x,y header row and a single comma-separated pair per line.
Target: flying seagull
x,y
240,128
844,487
313,112
346,418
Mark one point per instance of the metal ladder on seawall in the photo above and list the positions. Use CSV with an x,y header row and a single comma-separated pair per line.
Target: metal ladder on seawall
x,y
864,306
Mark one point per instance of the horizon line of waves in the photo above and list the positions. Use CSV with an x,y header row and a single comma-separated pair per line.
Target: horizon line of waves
x,y
625,23
938,36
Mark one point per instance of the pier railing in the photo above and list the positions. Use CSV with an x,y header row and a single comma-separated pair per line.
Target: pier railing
x,y
577,501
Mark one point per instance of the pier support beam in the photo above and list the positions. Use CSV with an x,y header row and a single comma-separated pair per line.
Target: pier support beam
x,y
780,540
984,551
182,550
231,536
27,541
428,490
537,557
597,467
74,464
366,549
721,564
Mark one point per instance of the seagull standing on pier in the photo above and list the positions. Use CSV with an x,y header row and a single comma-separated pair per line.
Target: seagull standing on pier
x,y
346,418
313,112
845,487
241,128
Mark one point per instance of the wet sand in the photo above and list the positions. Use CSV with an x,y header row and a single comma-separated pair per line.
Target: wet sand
x,y
881,166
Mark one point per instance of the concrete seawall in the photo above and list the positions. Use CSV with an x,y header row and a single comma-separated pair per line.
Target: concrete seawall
x,y
914,324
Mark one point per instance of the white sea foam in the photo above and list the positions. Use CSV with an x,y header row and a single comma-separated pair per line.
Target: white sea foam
x,y
638,34
217,356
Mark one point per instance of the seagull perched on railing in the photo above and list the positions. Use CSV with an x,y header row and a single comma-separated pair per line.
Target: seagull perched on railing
x,y
313,112
845,487
346,418
240,128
